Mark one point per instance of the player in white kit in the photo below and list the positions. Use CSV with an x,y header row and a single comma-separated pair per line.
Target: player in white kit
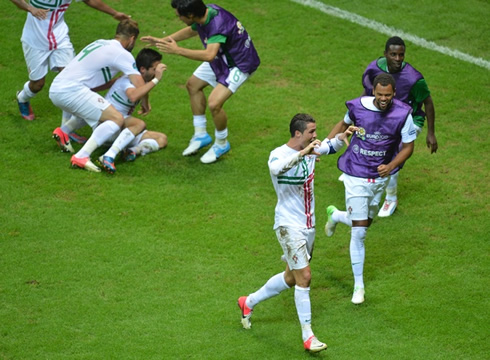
x,y
46,44
292,169
93,67
134,139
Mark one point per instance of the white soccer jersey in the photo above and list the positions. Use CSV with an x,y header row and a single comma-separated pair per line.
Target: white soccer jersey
x,y
118,98
94,66
50,33
292,178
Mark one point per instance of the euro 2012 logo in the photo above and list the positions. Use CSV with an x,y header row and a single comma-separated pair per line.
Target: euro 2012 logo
x,y
361,133
240,27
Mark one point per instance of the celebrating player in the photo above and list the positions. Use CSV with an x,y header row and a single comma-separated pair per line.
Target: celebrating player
x,y
292,169
47,46
93,67
412,89
229,58
373,155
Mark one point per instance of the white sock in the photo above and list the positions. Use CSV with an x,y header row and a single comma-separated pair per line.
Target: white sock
x,y
357,254
221,137
65,116
26,94
147,146
72,124
274,286
342,217
199,122
100,135
123,139
391,189
303,307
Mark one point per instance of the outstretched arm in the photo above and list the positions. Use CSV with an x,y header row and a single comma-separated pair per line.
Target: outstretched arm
x,y
182,34
101,6
431,131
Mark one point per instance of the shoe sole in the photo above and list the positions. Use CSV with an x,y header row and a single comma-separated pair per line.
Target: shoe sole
x,y
75,166
199,147
105,168
246,323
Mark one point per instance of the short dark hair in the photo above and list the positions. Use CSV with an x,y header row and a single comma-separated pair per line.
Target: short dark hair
x,y
394,40
385,80
189,7
127,28
146,57
299,123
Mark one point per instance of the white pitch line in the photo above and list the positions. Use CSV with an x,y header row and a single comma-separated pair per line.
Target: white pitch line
x,y
390,31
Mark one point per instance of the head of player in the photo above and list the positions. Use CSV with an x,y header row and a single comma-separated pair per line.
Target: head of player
x,y
189,10
146,61
127,32
394,53
384,91
303,129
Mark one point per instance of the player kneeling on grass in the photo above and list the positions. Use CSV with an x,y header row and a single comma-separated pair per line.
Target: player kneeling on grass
x,y
124,97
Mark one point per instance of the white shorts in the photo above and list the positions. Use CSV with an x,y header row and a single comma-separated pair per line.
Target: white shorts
x,y
362,196
83,103
236,78
297,245
39,62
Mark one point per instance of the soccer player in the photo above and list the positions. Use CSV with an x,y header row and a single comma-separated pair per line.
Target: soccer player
x,y
229,58
292,169
134,139
93,67
412,89
47,46
383,123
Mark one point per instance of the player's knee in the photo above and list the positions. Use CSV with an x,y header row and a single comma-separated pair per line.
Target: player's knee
x,y
192,86
214,106
162,140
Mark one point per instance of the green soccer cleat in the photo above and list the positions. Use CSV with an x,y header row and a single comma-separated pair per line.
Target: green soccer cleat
x,y
330,225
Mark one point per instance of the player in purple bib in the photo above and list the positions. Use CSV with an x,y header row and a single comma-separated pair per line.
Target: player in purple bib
x,y
229,58
412,89
372,156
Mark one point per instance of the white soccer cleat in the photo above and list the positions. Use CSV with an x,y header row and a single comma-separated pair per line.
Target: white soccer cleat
x,y
314,345
358,296
388,208
197,143
215,153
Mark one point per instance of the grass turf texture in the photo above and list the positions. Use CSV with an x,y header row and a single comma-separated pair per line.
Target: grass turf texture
x,y
148,264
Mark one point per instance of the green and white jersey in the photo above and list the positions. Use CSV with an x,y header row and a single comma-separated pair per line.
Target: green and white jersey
x,y
94,66
51,33
118,98
293,177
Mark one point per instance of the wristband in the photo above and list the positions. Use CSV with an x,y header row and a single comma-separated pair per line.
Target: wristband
x,y
155,81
